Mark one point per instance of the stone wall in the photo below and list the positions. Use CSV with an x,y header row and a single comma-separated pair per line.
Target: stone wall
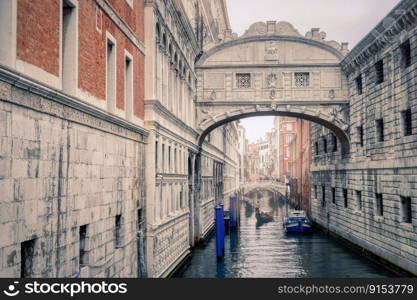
x,y
354,184
60,169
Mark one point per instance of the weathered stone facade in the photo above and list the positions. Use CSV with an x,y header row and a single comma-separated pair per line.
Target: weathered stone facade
x,y
63,168
370,195
72,145
182,176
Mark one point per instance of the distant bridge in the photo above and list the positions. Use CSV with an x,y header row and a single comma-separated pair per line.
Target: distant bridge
x,y
270,185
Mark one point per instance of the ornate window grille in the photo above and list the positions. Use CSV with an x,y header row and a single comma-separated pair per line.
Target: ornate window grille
x,y
243,80
302,79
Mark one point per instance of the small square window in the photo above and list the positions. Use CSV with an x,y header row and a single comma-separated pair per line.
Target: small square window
x,y
406,212
380,130
407,122
379,72
243,80
358,82
302,79
379,205
406,54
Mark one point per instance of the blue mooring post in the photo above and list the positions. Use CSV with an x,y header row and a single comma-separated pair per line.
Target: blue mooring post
x,y
232,212
219,221
222,228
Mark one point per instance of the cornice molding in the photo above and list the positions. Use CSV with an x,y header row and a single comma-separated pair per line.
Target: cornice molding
x,y
111,12
263,38
34,87
402,17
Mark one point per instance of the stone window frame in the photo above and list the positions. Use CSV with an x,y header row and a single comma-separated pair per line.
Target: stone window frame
x,y
379,72
406,57
29,252
129,87
379,205
345,193
335,147
358,200
379,130
83,236
359,84
99,19
407,122
325,144
360,136
409,211
111,76
334,195
302,79
118,231
240,81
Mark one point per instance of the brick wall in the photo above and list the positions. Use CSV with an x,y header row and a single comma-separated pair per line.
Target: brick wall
x,y
38,43
92,52
38,33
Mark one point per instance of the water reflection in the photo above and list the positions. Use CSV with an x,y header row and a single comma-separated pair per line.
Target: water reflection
x,y
263,250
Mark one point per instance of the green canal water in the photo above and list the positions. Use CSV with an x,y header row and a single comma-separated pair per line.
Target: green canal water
x,y
263,250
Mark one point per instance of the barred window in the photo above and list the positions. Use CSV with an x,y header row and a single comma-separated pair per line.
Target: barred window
x,y
302,79
379,70
243,80
359,87
406,54
407,122
380,130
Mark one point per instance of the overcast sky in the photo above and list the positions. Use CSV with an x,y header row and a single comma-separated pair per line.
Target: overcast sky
x,y
342,20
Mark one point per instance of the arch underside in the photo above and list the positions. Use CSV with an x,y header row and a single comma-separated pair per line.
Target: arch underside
x,y
328,116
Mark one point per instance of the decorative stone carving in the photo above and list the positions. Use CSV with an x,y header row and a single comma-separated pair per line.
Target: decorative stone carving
x,y
273,94
213,95
271,52
332,94
271,80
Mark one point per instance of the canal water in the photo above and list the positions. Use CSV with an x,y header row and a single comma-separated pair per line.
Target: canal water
x,y
263,250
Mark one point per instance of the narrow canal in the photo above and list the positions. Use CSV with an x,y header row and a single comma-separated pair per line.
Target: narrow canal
x,y
263,250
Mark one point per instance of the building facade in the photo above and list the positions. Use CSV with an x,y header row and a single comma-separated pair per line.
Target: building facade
x,y
180,201
72,145
300,161
369,196
286,133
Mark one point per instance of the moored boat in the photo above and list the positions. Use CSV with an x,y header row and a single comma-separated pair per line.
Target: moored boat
x,y
296,221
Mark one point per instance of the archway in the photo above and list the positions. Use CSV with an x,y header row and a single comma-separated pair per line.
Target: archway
x,y
272,70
